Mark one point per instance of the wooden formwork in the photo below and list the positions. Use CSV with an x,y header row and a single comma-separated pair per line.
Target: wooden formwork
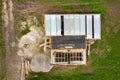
x,y
25,68
83,51
47,43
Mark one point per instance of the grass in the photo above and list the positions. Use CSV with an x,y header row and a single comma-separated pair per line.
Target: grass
x,y
104,68
68,1
2,55
21,1
104,64
85,7
23,32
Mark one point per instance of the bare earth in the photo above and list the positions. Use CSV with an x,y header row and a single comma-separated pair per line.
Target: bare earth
x,y
13,61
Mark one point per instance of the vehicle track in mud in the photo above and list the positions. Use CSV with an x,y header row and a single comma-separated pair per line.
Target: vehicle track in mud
x,y
12,61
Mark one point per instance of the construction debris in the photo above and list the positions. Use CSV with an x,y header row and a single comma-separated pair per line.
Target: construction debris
x,y
31,45
40,63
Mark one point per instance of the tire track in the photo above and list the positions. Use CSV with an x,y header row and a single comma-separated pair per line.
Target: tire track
x,y
12,61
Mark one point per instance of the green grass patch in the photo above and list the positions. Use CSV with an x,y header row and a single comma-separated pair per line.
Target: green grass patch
x,y
21,1
90,1
64,7
105,64
2,48
82,8
25,31
107,67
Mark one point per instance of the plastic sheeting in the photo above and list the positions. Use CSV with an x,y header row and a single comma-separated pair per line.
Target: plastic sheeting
x,y
40,63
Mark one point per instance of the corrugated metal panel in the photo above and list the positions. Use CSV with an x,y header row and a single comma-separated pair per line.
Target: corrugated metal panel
x,y
69,25
77,25
72,25
58,25
82,24
53,25
97,27
48,25
89,26
66,25
62,41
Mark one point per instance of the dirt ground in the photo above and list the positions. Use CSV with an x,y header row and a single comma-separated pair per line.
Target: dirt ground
x,y
13,61
113,11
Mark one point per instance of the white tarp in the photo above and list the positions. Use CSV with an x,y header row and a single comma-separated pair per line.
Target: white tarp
x,y
40,63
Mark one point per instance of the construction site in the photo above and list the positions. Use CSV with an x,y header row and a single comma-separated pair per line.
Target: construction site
x,y
69,36
59,40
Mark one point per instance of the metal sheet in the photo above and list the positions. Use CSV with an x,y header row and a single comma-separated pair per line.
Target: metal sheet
x,y
69,25
66,25
77,25
58,25
72,25
89,26
82,24
62,41
53,25
97,27
47,25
